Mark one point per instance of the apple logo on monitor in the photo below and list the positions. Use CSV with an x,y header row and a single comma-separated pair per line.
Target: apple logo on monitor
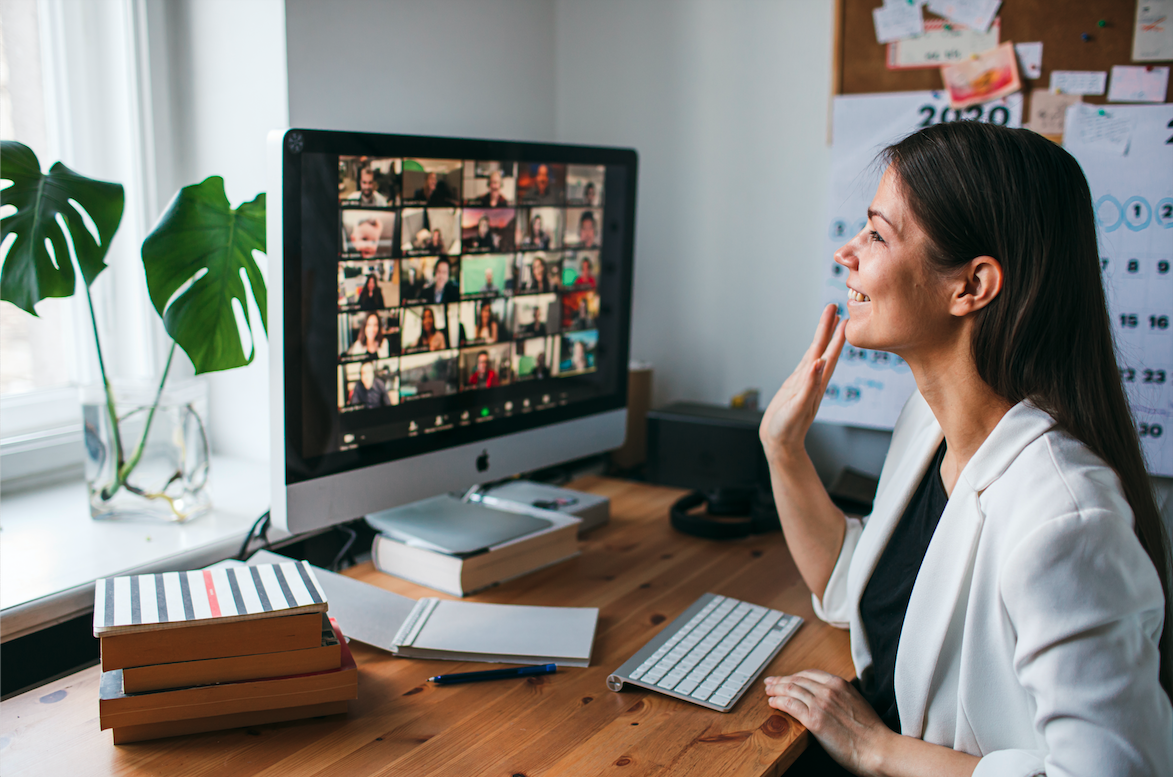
x,y
483,461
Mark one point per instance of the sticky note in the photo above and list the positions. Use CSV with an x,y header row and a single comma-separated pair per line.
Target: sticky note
x,y
1099,128
977,14
1048,111
1030,59
1138,84
1152,38
897,20
1079,81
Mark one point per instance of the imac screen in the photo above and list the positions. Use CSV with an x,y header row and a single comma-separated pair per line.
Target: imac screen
x,y
448,297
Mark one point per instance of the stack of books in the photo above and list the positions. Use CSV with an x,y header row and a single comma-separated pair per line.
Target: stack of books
x,y
460,547
187,652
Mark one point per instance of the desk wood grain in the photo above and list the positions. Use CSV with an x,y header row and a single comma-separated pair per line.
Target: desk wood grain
x,y
639,573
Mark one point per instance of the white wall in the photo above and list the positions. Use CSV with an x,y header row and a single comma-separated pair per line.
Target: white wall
x,y
479,68
219,85
727,103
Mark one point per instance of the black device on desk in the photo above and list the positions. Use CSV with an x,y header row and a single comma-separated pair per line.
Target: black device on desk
x,y
716,451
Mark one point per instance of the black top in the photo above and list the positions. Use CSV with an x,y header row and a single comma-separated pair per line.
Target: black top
x,y
885,599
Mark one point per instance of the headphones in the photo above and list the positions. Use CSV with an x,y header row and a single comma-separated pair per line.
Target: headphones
x,y
731,513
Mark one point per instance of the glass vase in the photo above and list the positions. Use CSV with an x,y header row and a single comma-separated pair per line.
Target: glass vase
x,y
168,481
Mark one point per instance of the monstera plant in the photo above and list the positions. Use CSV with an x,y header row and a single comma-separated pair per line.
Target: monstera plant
x,y
197,262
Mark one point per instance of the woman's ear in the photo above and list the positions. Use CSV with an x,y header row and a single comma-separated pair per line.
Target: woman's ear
x,y
978,283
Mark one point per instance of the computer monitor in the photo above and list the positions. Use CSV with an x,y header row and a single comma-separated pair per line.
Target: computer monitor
x,y
443,312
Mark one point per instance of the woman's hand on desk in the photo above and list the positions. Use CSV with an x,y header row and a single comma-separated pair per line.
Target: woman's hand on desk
x,y
852,733
793,408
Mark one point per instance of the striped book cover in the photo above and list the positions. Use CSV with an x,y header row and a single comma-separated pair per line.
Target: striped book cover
x,y
169,600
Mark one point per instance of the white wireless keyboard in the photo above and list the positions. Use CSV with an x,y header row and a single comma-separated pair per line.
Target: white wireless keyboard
x,y
711,653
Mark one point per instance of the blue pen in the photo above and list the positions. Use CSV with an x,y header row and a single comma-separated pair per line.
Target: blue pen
x,y
493,674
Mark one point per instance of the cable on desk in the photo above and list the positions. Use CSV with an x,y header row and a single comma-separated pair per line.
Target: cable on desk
x,y
260,529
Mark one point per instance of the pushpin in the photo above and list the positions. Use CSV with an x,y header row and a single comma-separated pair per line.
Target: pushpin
x,y
948,27
1101,23
1085,37
1103,112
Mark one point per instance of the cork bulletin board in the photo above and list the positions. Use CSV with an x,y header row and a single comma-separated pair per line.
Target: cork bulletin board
x,y
860,65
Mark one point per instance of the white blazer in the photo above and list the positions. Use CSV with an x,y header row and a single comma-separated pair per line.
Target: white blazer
x,y
1031,633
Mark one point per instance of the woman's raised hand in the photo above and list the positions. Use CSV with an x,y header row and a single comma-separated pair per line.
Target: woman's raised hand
x,y
793,408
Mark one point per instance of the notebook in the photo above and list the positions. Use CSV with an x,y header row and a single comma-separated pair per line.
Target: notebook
x,y
455,630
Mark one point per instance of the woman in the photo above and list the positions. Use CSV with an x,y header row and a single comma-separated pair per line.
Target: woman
x,y
371,296
437,243
538,279
370,341
486,325
430,339
1007,598
485,239
538,237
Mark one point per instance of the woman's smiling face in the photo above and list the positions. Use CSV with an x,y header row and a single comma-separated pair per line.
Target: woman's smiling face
x,y
896,300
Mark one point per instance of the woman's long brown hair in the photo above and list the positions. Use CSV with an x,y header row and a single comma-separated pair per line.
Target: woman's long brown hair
x,y
983,190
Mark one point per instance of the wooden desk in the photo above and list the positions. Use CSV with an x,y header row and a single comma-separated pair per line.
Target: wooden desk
x,y
636,570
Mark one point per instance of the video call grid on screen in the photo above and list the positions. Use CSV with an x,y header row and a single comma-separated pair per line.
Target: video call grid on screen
x,y
458,278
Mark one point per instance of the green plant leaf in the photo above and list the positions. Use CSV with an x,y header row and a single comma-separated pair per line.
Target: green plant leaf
x,y
30,274
193,261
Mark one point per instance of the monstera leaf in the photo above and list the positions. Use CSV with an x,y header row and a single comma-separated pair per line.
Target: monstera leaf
x,y
193,261
30,272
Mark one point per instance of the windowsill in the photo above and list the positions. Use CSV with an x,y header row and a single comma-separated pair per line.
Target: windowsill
x,y
51,551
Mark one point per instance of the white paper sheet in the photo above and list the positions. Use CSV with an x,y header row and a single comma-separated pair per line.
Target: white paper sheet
x,y
978,14
1133,197
1079,81
1152,37
897,20
1103,129
869,388
939,46
1138,84
1030,59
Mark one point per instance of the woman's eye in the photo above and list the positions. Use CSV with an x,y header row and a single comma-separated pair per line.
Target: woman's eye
x,y
875,236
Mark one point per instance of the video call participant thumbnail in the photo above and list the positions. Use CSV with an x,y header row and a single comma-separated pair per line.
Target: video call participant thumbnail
x,y
368,182
539,272
368,233
536,358
368,284
429,375
581,270
541,183
539,229
484,321
486,367
582,228
368,335
584,185
430,231
425,328
429,279
368,384
489,184
580,310
487,230
432,182
536,315
486,275
578,352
